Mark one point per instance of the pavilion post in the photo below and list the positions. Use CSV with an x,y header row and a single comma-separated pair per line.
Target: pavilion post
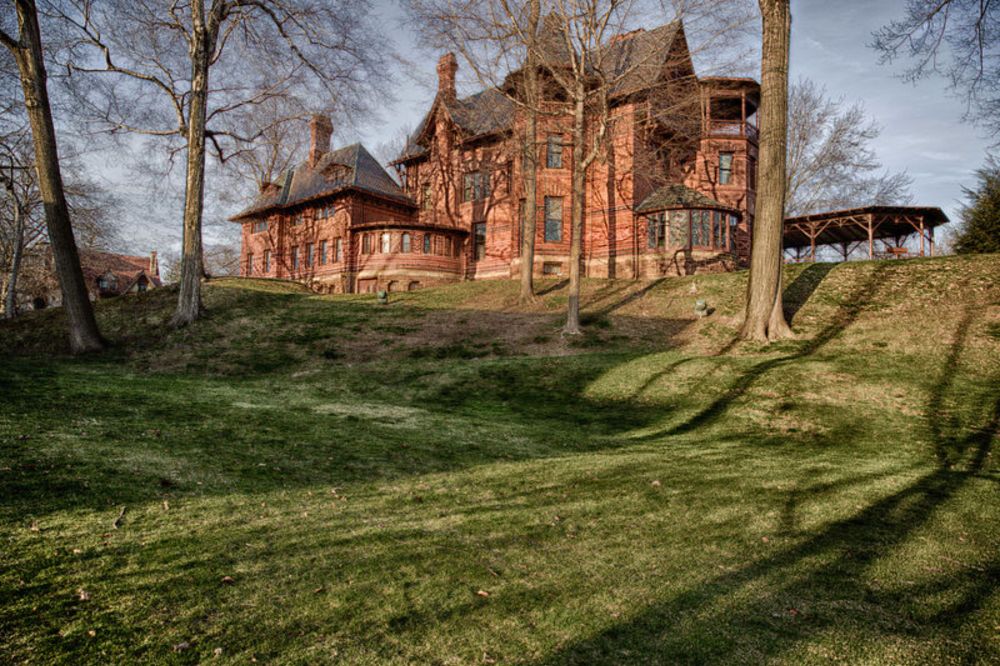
x,y
922,239
871,239
812,242
931,239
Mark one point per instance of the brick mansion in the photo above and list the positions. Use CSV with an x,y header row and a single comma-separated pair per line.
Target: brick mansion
x,y
672,192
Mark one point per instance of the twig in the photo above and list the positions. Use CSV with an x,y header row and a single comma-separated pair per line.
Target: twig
x,y
118,520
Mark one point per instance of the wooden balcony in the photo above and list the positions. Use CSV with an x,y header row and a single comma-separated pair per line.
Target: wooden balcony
x,y
734,129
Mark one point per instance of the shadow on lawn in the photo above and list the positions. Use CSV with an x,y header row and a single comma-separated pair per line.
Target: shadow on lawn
x,y
130,439
839,562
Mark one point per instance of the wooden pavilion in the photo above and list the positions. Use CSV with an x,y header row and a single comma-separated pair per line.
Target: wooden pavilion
x,y
851,229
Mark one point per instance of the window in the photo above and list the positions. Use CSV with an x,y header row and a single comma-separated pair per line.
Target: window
x,y
366,244
479,232
322,253
553,152
475,186
679,228
752,174
657,230
309,255
719,229
297,219
386,243
267,261
425,197
427,243
295,258
733,228
406,243
259,226
553,219
725,168
338,248
250,263
103,282
141,286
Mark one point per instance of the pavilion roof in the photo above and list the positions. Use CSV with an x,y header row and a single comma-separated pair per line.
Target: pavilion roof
x,y
852,224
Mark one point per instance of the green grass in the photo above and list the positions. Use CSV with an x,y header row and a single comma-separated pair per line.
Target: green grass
x,y
447,480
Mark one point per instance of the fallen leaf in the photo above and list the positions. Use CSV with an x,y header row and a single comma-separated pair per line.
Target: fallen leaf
x,y
656,484
34,526
217,652
180,647
765,539
228,580
483,593
83,594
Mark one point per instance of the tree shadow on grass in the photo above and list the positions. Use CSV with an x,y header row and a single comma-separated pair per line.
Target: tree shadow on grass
x,y
797,293
848,312
769,607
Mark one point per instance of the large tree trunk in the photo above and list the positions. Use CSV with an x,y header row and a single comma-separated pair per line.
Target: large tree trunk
x,y
84,335
10,297
530,160
576,217
765,319
189,306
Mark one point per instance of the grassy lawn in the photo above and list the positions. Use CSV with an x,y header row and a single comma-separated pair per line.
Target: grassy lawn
x,y
446,480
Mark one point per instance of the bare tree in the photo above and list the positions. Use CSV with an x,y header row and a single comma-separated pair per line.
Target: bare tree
x,y
765,319
26,48
222,260
186,72
831,163
957,38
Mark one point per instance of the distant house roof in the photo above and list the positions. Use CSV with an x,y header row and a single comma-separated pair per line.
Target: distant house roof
x,y
636,59
125,269
348,168
673,197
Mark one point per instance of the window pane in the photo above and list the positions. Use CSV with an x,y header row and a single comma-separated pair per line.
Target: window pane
x,y
679,228
553,152
651,232
406,242
553,219
309,254
725,168
479,229
385,243
427,243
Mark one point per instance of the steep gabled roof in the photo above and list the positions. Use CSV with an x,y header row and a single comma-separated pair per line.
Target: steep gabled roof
x,y
126,269
350,167
487,112
673,197
637,57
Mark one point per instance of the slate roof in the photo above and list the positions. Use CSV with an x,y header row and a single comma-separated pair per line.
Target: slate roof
x,y
677,196
125,268
491,111
638,57
350,167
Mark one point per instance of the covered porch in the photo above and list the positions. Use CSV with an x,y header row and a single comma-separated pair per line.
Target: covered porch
x,y
878,232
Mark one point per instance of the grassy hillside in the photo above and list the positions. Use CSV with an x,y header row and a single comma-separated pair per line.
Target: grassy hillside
x,y
448,480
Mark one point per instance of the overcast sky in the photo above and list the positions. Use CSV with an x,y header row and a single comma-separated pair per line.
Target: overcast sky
x,y
923,131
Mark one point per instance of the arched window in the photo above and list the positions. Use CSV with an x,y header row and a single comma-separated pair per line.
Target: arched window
x,y
427,243
406,242
386,243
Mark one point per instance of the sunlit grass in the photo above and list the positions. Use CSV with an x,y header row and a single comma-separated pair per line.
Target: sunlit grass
x,y
658,496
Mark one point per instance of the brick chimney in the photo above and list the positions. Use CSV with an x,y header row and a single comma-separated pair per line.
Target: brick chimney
x,y
447,66
154,265
320,130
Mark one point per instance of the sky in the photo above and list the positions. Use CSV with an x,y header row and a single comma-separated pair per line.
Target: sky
x,y
923,132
